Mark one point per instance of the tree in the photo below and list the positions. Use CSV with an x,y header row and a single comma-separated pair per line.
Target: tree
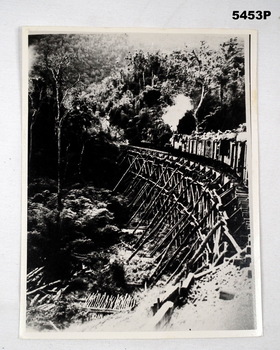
x,y
200,76
214,79
54,59
224,108
65,64
36,98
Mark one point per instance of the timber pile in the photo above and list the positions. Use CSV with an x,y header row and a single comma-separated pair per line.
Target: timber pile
x,y
194,216
103,302
243,199
173,297
175,294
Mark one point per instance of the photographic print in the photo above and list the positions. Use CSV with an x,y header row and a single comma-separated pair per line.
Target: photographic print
x,y
140,211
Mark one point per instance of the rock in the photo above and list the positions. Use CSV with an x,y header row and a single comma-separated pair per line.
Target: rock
x,y
224,295
237,262
248,261
38,198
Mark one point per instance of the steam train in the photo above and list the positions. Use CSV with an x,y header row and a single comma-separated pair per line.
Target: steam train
x,y
228,149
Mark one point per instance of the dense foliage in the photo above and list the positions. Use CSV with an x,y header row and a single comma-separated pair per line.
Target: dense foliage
x,y
87,90
90,223
76,251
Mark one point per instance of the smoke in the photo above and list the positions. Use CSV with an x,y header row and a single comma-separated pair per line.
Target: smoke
x,y
174,113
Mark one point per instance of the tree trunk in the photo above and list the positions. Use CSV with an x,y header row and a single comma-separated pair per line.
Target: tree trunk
x,y
59,201
58,133
30,148
66,162
202,96
81,160
30,145
221,94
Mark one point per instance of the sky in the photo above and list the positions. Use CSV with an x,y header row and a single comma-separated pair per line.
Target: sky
x,y
168,42
164,41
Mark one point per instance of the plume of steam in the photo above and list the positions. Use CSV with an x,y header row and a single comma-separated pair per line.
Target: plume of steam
x,y
172,114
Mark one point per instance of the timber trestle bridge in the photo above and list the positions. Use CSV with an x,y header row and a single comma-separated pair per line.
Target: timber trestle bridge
x,y
186,216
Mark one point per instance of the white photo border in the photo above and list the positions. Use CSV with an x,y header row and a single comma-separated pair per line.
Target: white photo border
x,y
253,164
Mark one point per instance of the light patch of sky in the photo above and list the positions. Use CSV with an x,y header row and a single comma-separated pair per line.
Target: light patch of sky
x,y
164,42
31,57
168,42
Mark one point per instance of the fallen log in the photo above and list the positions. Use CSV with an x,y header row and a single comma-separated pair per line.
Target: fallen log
x,y
42,287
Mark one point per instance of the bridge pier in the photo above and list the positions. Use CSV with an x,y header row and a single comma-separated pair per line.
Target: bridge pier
x,y
195,215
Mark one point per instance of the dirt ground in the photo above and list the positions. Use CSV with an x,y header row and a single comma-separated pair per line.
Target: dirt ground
x,y
219,301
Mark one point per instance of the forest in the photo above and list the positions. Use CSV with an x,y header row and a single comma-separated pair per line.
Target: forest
x,y
87,95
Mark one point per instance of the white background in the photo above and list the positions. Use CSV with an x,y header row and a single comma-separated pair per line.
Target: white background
x,y
137,13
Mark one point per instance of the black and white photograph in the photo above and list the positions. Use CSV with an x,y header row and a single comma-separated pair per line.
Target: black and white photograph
x,y
140,184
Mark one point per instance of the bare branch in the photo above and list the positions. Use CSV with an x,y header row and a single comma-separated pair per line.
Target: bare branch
x,y
68,89
198,60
